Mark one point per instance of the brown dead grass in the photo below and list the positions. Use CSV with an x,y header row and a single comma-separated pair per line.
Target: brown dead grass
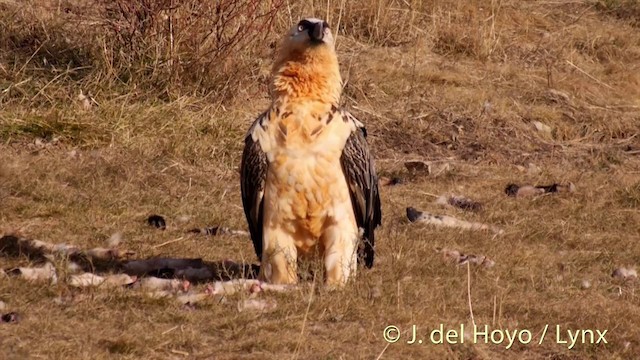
x,y
457,83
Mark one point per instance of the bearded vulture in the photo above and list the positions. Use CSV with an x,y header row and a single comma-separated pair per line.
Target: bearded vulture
x,y
308,181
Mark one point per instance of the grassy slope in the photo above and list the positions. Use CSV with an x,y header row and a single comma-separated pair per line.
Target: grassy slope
x,y
423,99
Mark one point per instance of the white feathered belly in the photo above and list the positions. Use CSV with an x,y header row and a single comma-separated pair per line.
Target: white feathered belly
x,y
305,194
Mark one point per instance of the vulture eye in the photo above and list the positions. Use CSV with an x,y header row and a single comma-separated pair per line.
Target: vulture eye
x,y
300,28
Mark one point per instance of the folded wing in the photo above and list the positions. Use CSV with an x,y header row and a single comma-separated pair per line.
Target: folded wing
x,y
253,172
359,170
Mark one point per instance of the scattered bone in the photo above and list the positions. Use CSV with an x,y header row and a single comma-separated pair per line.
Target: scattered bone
x,y
257,305
624,274
262,287
114,240
184,218
157,221
188,298
36,249
11,317
218,230
387,181
157,284
89,279
85,280
46,272
193,298
232,286
416,216
529,190
585,284
461,202
110,260
459,258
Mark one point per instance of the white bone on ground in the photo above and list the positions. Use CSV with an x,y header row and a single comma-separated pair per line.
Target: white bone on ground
x,y
624,273
192,298
85,280
89,279
46,272
263,286
450,221
528,190
64,249
114,240
153,283
256,305
232,286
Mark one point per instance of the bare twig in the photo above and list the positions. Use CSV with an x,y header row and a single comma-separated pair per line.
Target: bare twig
x,y
168,242
589,75
304,320
469,293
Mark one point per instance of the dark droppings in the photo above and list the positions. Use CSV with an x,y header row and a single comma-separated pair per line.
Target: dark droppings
x,y
157,221
11,317
413,214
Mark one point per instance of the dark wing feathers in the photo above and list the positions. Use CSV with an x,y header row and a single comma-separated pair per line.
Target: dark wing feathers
x,y
359,170
253,171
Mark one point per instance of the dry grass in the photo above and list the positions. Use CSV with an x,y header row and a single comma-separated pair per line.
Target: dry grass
x,y
452,82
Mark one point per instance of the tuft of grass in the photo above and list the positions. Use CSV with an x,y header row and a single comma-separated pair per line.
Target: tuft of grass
x,y
629,197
